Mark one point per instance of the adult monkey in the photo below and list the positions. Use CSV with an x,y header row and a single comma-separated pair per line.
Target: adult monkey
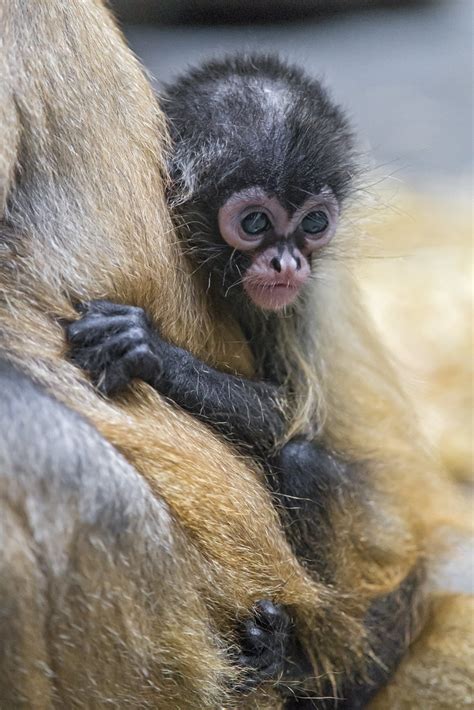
x,y
83,217
58,143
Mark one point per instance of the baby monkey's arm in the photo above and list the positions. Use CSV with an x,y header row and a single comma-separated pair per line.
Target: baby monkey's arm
x,y
117,343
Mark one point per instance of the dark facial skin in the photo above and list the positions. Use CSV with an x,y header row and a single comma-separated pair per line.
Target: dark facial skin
x,y
266,224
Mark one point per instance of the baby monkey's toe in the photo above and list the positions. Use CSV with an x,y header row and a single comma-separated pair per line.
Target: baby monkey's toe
x,y
264,640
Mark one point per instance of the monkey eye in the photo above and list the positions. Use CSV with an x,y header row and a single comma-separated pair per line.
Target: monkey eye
x,y
255,223
315,222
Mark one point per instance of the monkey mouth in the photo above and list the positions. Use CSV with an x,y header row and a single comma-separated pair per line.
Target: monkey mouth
x,y
271,296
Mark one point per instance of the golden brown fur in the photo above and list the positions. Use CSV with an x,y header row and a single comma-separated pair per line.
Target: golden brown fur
x,y
81,184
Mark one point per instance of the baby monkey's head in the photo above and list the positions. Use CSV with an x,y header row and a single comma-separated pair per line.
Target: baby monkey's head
x,y
262,160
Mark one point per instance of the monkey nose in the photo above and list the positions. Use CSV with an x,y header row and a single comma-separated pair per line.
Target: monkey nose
x,y
286,263
276,264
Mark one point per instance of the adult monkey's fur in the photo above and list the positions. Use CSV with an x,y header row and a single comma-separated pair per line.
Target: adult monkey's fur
x,y
125,597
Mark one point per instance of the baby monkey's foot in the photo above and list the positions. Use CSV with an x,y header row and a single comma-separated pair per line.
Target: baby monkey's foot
x,y
264,640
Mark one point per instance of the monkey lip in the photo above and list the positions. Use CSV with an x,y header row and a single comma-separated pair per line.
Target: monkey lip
x,y
271,296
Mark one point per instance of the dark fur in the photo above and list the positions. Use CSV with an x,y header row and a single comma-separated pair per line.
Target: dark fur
x,y
292,144
218,120
122,576
307,480
256,121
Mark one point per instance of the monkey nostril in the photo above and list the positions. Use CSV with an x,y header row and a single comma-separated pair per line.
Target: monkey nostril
x,y
275,262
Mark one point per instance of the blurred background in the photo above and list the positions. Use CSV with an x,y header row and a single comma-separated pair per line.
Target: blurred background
x,y
403,71
401,68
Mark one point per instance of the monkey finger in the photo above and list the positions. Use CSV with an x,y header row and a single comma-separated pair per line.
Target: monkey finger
x,y
84,307
255,640
258,670
272,617
80,307
94,358
113,379
90,330
142,363
118,345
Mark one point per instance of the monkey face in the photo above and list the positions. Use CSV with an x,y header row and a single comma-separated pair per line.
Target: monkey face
x,y
278,244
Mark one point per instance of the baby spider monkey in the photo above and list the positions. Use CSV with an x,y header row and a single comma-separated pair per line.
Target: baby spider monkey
x,y
262,162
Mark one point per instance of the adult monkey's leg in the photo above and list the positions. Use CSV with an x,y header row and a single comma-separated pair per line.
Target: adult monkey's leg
x,y
92,570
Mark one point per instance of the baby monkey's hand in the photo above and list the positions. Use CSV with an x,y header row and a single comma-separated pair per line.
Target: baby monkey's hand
x,y
114,344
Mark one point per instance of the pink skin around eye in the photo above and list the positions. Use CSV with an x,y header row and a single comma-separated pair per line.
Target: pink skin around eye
x,y
275,276
240,204
324,200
